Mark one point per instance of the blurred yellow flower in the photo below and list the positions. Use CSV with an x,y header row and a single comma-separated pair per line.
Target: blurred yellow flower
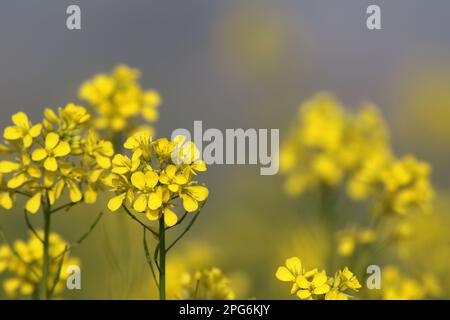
x,y
24,261
328,144
117,98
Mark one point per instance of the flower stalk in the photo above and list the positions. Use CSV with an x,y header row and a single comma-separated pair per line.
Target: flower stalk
x,y
162,260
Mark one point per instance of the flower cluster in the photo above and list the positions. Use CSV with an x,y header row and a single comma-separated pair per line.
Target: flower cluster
x,y
397,286
157,173
328,144
58,154
316,285
400,186
207,284
118,98
24,262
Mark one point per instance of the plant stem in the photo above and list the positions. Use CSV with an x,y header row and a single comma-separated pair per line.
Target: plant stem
x,y
162,260
43,288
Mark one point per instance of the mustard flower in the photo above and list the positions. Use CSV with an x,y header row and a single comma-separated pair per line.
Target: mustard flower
x,y
158,175
314,284
151,181
398,286
59,154
343,281
327,144
54,148
23,263
118,99
207,284
62,156
22,130
400,186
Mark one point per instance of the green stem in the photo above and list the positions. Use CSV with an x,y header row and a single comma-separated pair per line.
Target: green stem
x,y
162,259
43,288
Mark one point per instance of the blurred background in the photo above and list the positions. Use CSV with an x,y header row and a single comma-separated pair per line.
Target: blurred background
x,y
237,64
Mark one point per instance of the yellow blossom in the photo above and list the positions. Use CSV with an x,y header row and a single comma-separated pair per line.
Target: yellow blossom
x,y
315,285
151,181
54,148
117,98
23,130
24,265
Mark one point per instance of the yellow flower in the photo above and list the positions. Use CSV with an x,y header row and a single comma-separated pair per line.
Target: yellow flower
x,y
54,148
291,271
122,164
397,286
191,195
100,150
23,130
140,141
313,285
316,286
117,98
151,181
149,198
164,148
63,156
173,178
29,256
328,144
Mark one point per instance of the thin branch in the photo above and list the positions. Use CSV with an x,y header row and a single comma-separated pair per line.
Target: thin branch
x,y
148,258
23,193
64,206
58,273
155,257
30,226
139,221
187,228
82,238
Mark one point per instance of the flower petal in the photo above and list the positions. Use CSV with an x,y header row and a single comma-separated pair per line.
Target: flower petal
x,y
39,154
294,264
115,203
8,166
283,274
35,130
189,203
154,201
170,217
138,180
51,140
141,203
12,133
34,203
20,119
151,179
62,149
51,164
199,193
